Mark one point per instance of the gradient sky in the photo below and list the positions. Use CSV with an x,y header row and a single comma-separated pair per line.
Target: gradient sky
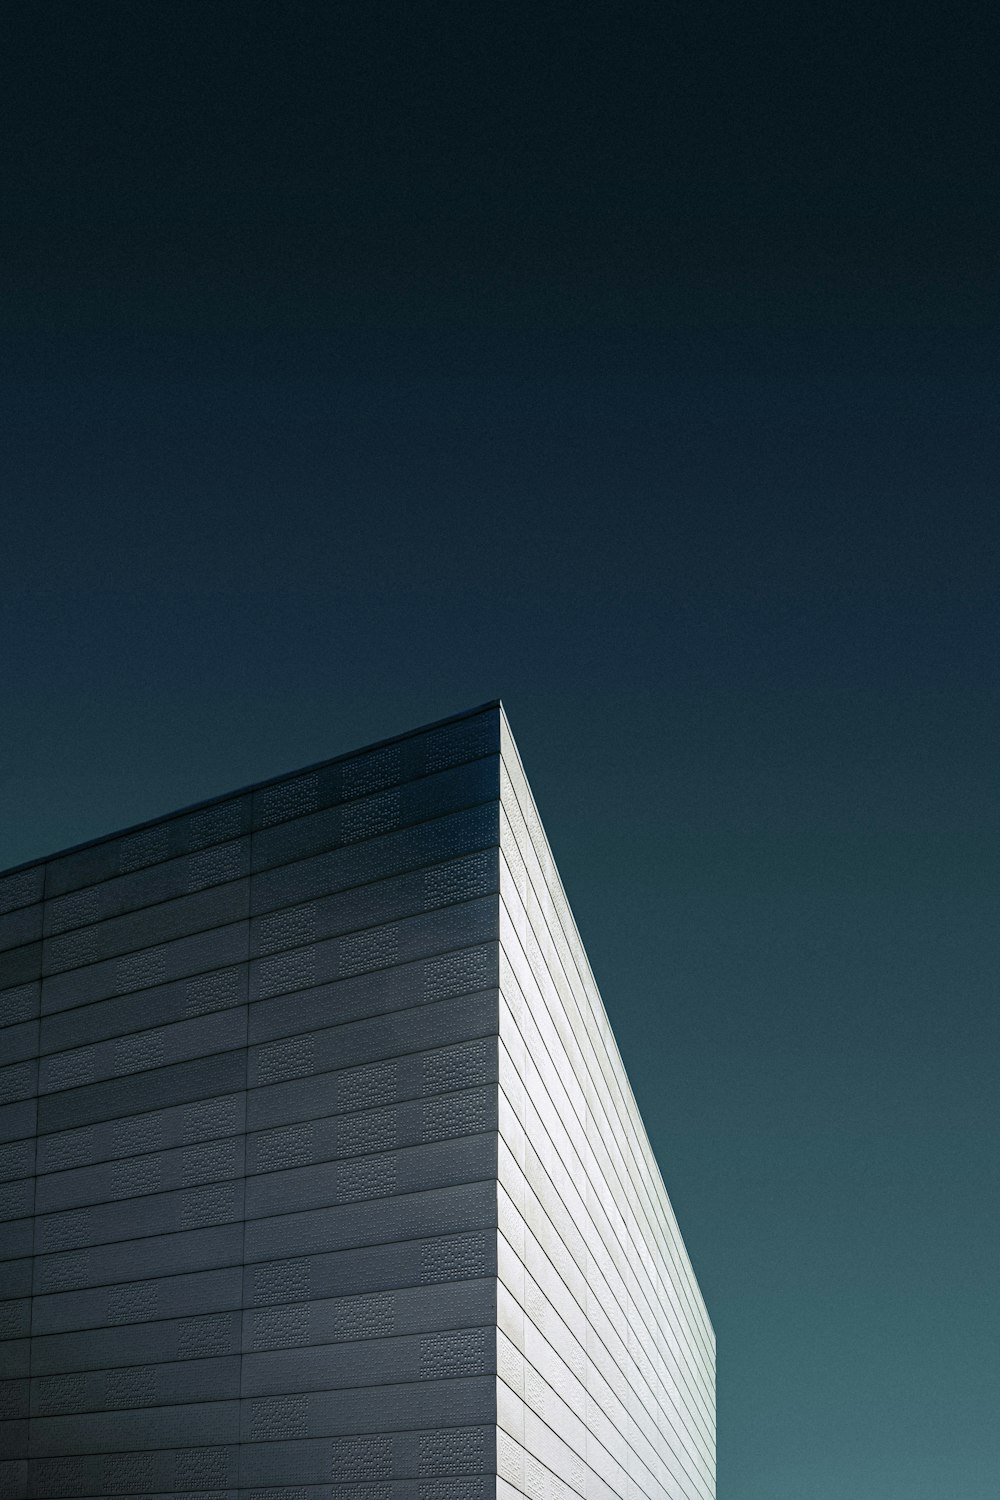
x,y
637,364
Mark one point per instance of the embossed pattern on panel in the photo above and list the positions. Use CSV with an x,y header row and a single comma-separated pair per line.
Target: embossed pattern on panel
x,y
350,924
337,1094
248,1114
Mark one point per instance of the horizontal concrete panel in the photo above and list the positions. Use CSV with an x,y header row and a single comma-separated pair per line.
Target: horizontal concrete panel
x,y
19,1042
15,1348
20,965
123,1304
13,1439
217,906
157,1427
380,813
400,1047
17,1199
365,1068
431,1261
608,1443
181,1083
152,886
150,966
534,1281
611,1294
17,1159
543,923
469,1487
382,1314
416,1121
138,1051
597,1215
21,1002
443,1452
15,1318
156,844
208,1336
375,859
24,887
362,907
374,948
163,1171
461,1352
210,1468
356,775
570,1425
200,1120
439,1211
400,1407
15,1399
133,1260
20,927
15,1278
598,1269
19,1119
135,1387
366,998
18,1081
386,992
15,1239
576,1376
154,1214
202,995
216,1494
380,1174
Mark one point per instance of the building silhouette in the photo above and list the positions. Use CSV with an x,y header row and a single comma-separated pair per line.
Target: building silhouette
x,y
321,1173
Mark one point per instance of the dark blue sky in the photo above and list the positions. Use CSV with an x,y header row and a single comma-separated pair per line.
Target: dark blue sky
x,y
637,364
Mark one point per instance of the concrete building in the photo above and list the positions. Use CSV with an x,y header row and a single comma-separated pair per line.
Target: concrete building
x,y
321,1174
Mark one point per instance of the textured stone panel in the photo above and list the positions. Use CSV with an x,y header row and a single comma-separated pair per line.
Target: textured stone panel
x,y
138,1259
371,817
359,864
21,926
182,958
160,1087
160,848
152,925
200,995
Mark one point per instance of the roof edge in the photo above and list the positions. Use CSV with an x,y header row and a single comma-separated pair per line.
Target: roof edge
x,y
252,786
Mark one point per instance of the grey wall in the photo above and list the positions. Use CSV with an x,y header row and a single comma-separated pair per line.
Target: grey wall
x,y
249,1146
321,1174
606,1356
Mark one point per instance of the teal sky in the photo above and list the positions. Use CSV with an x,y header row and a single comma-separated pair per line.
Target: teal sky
x,y
637,365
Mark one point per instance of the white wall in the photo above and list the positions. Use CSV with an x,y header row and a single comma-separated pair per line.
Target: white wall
x,y
606,1356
